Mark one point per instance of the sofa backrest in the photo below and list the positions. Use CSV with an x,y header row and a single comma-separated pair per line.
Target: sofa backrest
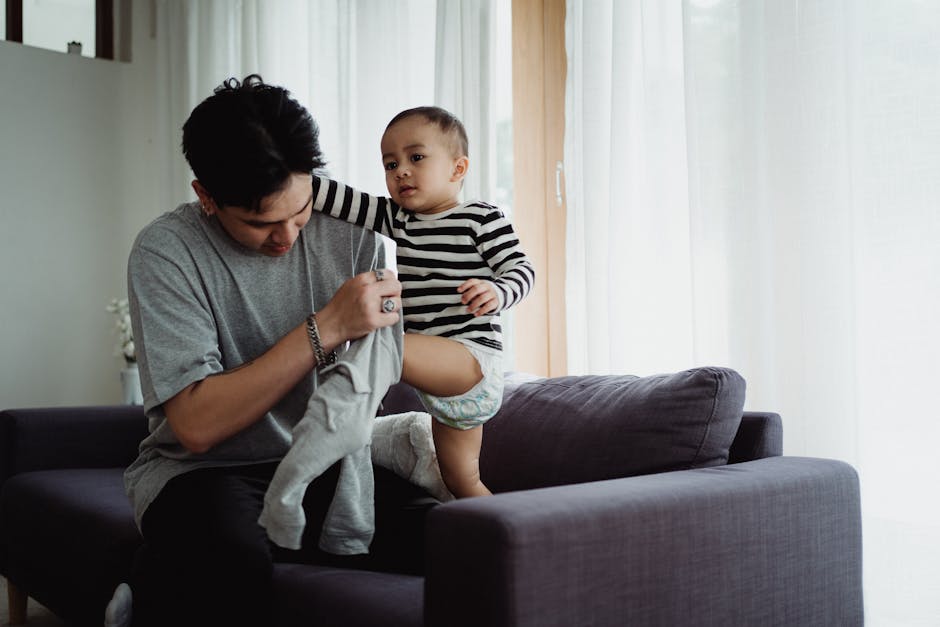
x,y
561,430
760,435
69,437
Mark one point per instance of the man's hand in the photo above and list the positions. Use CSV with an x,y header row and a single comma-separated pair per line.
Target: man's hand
x,y
356,308
479,296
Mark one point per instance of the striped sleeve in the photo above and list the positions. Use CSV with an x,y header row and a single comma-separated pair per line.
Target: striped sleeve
x,y
496,241
341,201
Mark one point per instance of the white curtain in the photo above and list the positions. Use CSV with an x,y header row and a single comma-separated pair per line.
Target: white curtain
x,y
354,65
757,184
464,85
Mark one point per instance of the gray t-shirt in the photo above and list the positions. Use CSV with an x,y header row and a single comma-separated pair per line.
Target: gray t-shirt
x,y
201,304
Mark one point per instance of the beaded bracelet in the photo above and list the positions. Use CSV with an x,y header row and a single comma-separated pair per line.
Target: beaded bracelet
x,y
313,332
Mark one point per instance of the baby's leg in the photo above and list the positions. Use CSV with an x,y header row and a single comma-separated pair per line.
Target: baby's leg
x,y
458,454
439,366
442,368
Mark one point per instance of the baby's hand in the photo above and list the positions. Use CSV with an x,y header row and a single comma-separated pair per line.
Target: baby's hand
x,y
479,296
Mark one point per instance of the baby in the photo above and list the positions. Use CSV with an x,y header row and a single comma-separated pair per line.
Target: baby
x,y
460,264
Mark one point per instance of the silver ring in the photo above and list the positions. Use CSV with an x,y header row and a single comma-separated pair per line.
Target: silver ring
x,y
388,305
379,275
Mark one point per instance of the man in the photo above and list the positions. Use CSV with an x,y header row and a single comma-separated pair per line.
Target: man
x,y
241,303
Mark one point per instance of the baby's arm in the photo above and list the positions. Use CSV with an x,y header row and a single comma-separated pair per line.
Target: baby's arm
x,y
341,201
514,273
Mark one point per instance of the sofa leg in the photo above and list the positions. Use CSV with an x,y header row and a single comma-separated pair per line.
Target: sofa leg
x,y
17,599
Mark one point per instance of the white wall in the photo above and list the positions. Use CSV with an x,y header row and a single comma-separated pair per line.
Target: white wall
x,y
77,146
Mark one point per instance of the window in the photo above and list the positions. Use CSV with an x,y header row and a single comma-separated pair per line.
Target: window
x,y
59,24
83,27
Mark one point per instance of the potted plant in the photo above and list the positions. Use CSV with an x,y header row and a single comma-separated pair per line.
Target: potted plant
x,y
130,376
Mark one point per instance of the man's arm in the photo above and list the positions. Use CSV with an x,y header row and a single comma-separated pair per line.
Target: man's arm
x,y
341,201
209,411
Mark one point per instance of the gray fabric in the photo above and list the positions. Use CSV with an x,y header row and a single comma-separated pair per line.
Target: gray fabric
x,y
771,542
760,435
307,596
404,444
584,428
201,304
337,425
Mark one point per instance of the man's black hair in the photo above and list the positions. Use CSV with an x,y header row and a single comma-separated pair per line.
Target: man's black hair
x,y
244,141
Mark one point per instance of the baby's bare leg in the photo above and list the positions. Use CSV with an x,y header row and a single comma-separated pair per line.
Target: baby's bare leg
x,y
439,366
458,454
443,367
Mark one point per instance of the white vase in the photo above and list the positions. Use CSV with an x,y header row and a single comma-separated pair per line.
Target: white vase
x,y
130,384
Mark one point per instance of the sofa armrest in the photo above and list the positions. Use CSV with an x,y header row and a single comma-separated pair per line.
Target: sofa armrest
x,y
69,437
769,542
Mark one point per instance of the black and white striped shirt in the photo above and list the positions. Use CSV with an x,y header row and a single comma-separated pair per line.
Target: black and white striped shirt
x,y
436,253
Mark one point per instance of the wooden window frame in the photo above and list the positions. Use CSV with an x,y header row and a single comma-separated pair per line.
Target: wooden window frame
x,y
539,67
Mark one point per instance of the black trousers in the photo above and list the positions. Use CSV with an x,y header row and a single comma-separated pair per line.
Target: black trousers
x,y
205,559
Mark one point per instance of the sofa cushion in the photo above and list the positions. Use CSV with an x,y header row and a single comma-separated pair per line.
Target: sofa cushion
x,y
69,538
626,425
335,597
42,513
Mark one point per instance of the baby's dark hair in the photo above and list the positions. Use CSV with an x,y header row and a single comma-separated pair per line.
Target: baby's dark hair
x,y
449,124
245,140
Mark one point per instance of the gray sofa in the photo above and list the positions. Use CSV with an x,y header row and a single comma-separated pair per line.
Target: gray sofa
x,y
620,501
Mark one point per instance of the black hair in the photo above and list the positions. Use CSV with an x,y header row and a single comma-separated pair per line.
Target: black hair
x,y
245,141
449,124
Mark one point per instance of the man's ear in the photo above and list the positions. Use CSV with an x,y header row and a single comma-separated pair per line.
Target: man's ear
x,y
205,199
461,165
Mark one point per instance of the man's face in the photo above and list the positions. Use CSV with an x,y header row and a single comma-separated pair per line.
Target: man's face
x,y
274,229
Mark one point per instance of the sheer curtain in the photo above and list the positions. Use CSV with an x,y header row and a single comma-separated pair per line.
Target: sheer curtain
x,y
464,84
354,65
756,184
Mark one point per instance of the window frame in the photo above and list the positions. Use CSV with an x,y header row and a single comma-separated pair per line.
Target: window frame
x,y
104,26
539,67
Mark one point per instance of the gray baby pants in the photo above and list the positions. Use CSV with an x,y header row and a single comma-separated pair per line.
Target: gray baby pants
x,y
337,426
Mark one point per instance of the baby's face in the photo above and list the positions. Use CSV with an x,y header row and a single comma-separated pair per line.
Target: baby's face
x,y
421,172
